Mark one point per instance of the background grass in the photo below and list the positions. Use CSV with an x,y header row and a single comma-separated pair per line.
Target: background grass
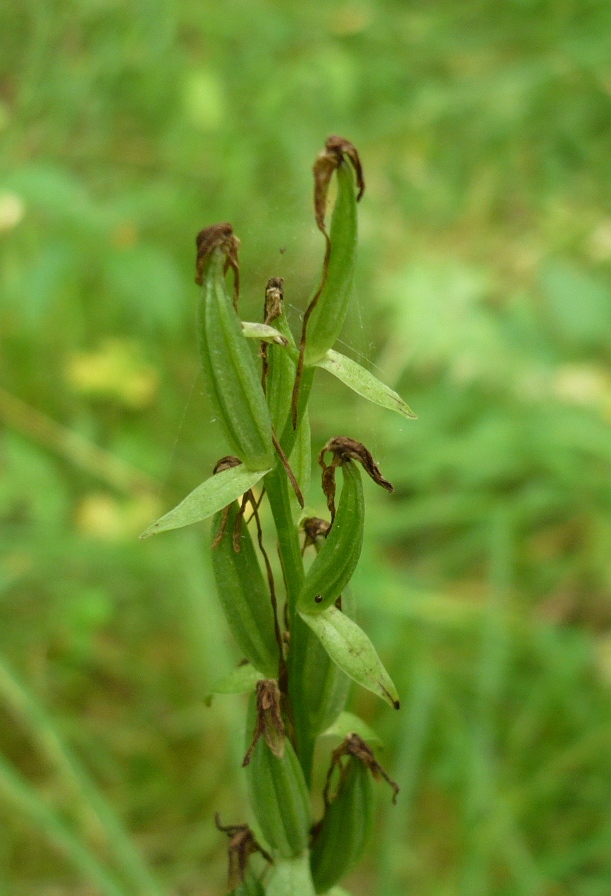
x,y
483,295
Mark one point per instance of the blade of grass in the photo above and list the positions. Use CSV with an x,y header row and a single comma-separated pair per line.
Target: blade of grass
x,y
514,849
16,790
480,807
414,733
45,735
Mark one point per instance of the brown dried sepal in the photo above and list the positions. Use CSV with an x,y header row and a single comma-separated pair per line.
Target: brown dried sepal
x,y
326,163
273,307
274,299
225,463
315,530
218,236
344,450
269,722
242,844
355,746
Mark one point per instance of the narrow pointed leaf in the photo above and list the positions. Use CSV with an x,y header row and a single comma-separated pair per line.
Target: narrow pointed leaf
x,y
207,499
350,648
263,331
364,383
241,680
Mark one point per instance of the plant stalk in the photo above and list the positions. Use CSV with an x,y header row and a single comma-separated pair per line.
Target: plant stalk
x,y
277,487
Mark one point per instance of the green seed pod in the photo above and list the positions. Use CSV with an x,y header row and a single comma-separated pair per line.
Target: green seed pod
x,y
330,305
230,371
280,386
278,792
345,829
340,838
280,363
243,593
334,566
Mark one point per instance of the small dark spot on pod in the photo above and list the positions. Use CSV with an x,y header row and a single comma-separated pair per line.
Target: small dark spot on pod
x,y
318,599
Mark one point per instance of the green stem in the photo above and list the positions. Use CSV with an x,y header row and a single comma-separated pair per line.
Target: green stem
x,y
290,435
277,487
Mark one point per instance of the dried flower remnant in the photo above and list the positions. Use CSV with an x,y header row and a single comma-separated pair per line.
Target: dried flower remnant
x,y
344,449
315,530
326,163
242,845
269,722
354,745
218,236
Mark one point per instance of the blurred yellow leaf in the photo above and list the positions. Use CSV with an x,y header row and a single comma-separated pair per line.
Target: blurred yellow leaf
x,y
101,515
12,211
586,385
116,371
204,99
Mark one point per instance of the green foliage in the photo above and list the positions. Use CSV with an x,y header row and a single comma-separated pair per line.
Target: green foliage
x,y
480,289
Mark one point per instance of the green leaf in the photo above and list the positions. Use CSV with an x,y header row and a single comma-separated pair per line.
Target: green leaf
x,y
347,723
264,332
207,499
291,877
350,648
337,891
364,383
239,681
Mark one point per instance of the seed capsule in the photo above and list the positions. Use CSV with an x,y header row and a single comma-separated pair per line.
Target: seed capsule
x,y
341,837
279,362
330,306
277,788
324,316
346,828
334,566
230,371
243,593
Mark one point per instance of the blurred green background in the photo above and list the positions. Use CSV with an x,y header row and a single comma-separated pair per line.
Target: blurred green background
x,y
483,295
